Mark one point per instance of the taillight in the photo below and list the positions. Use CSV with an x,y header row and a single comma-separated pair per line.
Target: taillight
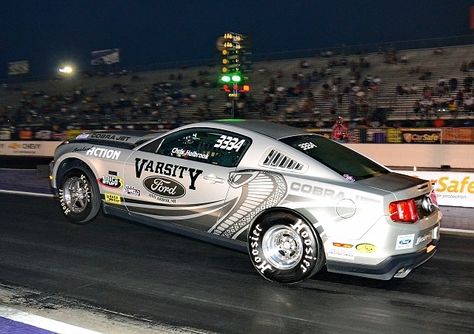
x,y
403,211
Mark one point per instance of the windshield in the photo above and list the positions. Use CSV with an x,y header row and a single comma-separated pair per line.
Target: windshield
x,y
351,165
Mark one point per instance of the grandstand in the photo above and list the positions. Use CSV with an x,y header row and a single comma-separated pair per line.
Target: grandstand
x,y
308,92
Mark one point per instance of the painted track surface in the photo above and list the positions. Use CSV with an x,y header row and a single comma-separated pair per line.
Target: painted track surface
x,y
166,278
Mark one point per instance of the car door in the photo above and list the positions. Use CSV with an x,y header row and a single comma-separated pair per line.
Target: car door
x,y
183,177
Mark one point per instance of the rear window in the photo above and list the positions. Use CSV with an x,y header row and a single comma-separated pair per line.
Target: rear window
x,y
351,165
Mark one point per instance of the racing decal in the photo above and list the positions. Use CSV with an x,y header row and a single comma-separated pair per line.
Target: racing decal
x,y
366,248
341,253
349,177
82,136
182,153
162,168
112,198
109,136
162,186
103,153
422,238
131,190
111,181
260,190
307,146
82,149
229,143
405,241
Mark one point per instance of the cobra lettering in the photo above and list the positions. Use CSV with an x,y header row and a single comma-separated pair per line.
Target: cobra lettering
x,y
109,136
103,153
158,167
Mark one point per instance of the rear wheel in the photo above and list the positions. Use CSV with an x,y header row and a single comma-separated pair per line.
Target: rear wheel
x,y
285,248
79,195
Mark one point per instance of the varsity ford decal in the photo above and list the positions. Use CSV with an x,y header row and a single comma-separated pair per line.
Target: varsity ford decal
x,y
163,186
172,170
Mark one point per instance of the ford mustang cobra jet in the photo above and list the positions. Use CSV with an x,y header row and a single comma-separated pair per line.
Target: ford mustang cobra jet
x,y
296,201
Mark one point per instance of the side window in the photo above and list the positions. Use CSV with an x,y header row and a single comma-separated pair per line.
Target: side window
x,y
206,145
152,147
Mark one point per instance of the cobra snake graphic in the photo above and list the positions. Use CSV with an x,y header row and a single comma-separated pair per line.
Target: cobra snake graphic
x,y
260,190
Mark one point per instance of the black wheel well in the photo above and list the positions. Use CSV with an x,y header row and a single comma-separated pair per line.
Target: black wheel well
x,y
274,210
70,164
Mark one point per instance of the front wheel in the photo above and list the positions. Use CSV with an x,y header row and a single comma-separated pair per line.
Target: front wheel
x,y
285,248
79,196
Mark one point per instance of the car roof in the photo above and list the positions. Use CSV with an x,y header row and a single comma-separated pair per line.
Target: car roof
x,y
273,130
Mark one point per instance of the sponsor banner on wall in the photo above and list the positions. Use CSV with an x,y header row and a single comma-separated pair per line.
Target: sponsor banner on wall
x,y
421,136
18,67
457,135
105,57
452,188
5,134
29,148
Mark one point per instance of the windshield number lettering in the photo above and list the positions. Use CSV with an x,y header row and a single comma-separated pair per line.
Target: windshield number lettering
x,y
229,143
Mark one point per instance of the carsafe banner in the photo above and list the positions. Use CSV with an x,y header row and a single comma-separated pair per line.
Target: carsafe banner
x,y
421,136
452,188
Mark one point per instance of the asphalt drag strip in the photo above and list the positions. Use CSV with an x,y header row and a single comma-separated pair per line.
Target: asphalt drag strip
x,y
162,278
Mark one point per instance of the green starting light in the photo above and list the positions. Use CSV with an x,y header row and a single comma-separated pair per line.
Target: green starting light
x,y
236,78
225,78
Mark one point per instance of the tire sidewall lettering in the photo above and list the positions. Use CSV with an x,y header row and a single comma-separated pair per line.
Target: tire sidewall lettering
x,y
310,249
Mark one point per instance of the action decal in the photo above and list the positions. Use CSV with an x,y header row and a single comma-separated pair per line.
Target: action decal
x,y
263,190
162,168
103,153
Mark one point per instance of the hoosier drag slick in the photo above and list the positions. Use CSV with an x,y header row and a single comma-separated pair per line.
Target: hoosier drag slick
x,y
296,201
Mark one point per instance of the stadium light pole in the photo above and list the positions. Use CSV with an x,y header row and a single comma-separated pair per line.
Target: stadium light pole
x,y
67,70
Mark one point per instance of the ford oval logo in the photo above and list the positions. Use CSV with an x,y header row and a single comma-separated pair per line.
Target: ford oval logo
x,y
163,186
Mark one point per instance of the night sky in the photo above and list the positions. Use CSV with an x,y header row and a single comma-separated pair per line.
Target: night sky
x,y
47,32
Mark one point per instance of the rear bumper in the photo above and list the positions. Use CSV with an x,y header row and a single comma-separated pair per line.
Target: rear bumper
x,y
398,265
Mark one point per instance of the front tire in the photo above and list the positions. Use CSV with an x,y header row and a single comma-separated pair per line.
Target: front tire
x,y
79,195
284,248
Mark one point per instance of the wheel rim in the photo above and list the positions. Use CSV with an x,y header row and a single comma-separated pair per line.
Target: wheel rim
x,y
76,192
282,247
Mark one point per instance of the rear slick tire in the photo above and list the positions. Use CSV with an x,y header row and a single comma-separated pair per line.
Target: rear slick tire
x,y
285,248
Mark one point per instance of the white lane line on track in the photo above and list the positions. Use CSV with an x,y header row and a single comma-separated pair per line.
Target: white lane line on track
x,y
28,169
16,192
41,322
456,231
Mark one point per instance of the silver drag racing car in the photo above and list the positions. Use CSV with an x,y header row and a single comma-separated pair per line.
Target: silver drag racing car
x,y
295,201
